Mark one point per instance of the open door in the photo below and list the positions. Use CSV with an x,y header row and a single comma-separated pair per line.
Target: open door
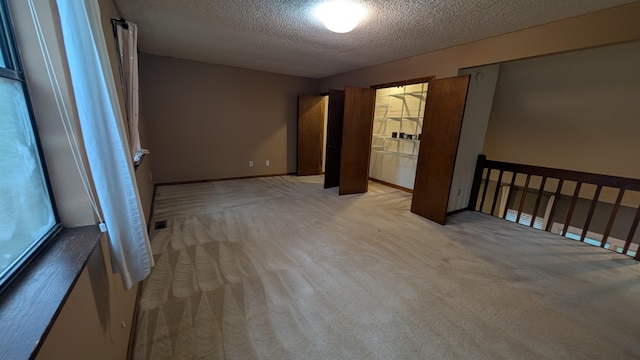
x,y
334,139
356,140
311,113
438,147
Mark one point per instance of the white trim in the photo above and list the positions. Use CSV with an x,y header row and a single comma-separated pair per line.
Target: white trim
x,y
525,219
557,228
503,199
547,211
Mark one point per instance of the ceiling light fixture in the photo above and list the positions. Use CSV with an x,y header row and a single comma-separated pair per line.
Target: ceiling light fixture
x,y
340,16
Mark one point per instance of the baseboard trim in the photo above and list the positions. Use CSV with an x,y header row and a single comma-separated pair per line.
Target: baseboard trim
x,y
457,211
153,204
221,179
398,187
134,324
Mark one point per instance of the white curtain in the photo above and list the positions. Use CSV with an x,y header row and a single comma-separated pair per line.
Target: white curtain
x,y
128,46
105,140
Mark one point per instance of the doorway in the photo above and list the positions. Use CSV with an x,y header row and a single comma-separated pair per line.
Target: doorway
x,y
397,131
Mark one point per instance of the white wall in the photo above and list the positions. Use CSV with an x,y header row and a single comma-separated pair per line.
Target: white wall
x,y
394,160
474,126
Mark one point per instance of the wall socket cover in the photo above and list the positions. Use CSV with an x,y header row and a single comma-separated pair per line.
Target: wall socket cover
x,y
250,163
267,162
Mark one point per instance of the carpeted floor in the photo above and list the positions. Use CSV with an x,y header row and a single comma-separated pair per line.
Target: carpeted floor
x,y
279,268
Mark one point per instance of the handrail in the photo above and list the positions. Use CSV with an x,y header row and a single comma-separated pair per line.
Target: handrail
x,y
570,175
580,178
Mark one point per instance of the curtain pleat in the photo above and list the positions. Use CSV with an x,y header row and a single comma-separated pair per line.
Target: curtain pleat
x,y
105,140
128,46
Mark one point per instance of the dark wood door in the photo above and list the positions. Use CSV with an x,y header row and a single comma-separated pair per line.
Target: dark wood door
x,y
446,99
311,113
356,140
334,139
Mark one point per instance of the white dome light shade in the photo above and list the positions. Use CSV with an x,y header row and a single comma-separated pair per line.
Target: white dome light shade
x,y
339,16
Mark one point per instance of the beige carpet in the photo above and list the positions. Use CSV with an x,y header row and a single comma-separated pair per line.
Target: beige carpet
x,y
279,268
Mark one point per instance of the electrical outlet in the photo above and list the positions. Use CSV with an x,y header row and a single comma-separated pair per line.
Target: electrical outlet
x,y
250,163
266,162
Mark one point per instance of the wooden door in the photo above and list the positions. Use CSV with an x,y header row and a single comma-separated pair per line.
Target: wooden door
x,y
311,113
356,140
438,147
334,139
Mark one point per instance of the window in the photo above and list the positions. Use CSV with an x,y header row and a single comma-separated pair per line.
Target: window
x,y
595,239
525,219
27,215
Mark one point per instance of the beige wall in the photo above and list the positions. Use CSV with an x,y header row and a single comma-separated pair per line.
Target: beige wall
x,y
611,26
577,111
144,177
89,325
95,321
208,121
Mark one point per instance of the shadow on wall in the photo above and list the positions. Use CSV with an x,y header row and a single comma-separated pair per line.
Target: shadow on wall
x,y
98,273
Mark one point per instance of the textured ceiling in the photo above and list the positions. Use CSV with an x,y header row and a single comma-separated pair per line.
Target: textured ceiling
x,y
283,36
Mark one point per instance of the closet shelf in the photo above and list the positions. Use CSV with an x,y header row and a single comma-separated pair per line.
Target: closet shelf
x,y
398,139
395,153
409,118
419,94
399,110
387,137
402,96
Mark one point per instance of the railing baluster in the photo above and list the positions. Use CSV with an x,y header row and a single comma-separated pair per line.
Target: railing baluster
x,y
579,178
506,206
484,191
477,179
632,232
523,197
538,199
495,196
556,199
571,208
612,218
592,209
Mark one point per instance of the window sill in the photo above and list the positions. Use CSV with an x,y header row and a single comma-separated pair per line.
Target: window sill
x,y
31,303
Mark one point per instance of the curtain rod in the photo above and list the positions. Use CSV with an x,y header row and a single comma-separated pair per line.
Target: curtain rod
x,y
122,22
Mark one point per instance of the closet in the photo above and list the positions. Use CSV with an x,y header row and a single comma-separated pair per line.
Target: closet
x,y
439,146
311,133
397,130
356,140
405,134
348,137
